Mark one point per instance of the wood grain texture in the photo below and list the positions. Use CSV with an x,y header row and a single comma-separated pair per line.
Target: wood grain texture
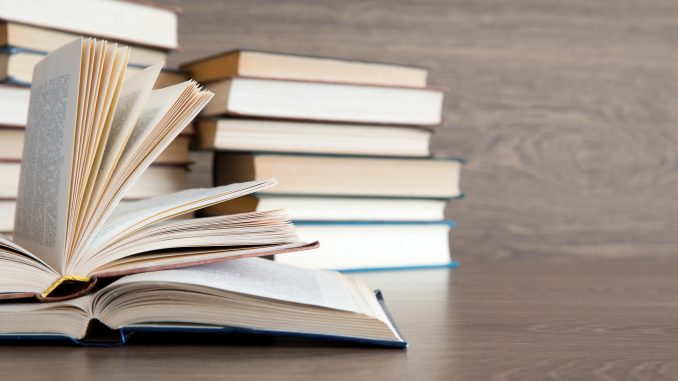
x,y
567,111
553,318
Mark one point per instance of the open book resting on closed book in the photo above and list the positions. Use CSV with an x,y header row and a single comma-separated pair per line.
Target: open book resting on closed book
x,y
89,137
251,296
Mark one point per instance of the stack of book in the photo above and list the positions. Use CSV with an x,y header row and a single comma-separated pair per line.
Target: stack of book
x,y
29,29
349,143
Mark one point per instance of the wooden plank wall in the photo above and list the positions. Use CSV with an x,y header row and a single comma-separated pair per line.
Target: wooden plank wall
x,y
566,110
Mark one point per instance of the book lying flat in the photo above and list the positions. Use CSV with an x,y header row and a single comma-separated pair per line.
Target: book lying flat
x,y
231,134
89,137
16,67
137,22
324,208
253,296
343,175
325,101
45,40
374,245
251,63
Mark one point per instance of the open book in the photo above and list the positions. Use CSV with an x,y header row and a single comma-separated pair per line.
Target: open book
x,y
250,295
89,137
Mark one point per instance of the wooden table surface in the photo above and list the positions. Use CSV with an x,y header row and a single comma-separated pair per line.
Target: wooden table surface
x,y
578,319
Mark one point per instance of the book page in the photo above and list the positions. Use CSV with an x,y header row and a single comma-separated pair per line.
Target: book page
x,y
44,185
155,108
113,64
136,215
152,135
70,318
7,244
133,97
262,278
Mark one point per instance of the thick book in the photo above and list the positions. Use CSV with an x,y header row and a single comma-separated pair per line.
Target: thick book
x,y
16,67
252,63
334,208
325,101
249,296
233,134
89,137
45,40
136,22
328,175
375,245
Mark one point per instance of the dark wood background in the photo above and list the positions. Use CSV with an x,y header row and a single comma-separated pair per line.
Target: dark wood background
x,y
566,110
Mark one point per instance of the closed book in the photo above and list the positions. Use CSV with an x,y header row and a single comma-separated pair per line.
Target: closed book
x,y
249,296
344,175
17,64
233,134
334,208
376,245
261,64
41,39
136,22
325,101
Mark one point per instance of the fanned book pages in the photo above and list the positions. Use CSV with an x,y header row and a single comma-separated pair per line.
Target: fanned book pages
x,y
89,137
251,296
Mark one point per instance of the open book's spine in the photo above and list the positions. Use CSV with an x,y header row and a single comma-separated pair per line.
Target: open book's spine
x,y
62,280
222,333
99,335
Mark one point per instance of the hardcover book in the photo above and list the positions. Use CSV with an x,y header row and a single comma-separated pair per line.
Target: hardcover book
x,y
335,208
16,67
251,296
45,40
325,101
328,175
252,63
139,22
375,245
262,135
89,137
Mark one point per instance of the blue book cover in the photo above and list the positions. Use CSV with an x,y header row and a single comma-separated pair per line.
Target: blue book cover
x,y
98,335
